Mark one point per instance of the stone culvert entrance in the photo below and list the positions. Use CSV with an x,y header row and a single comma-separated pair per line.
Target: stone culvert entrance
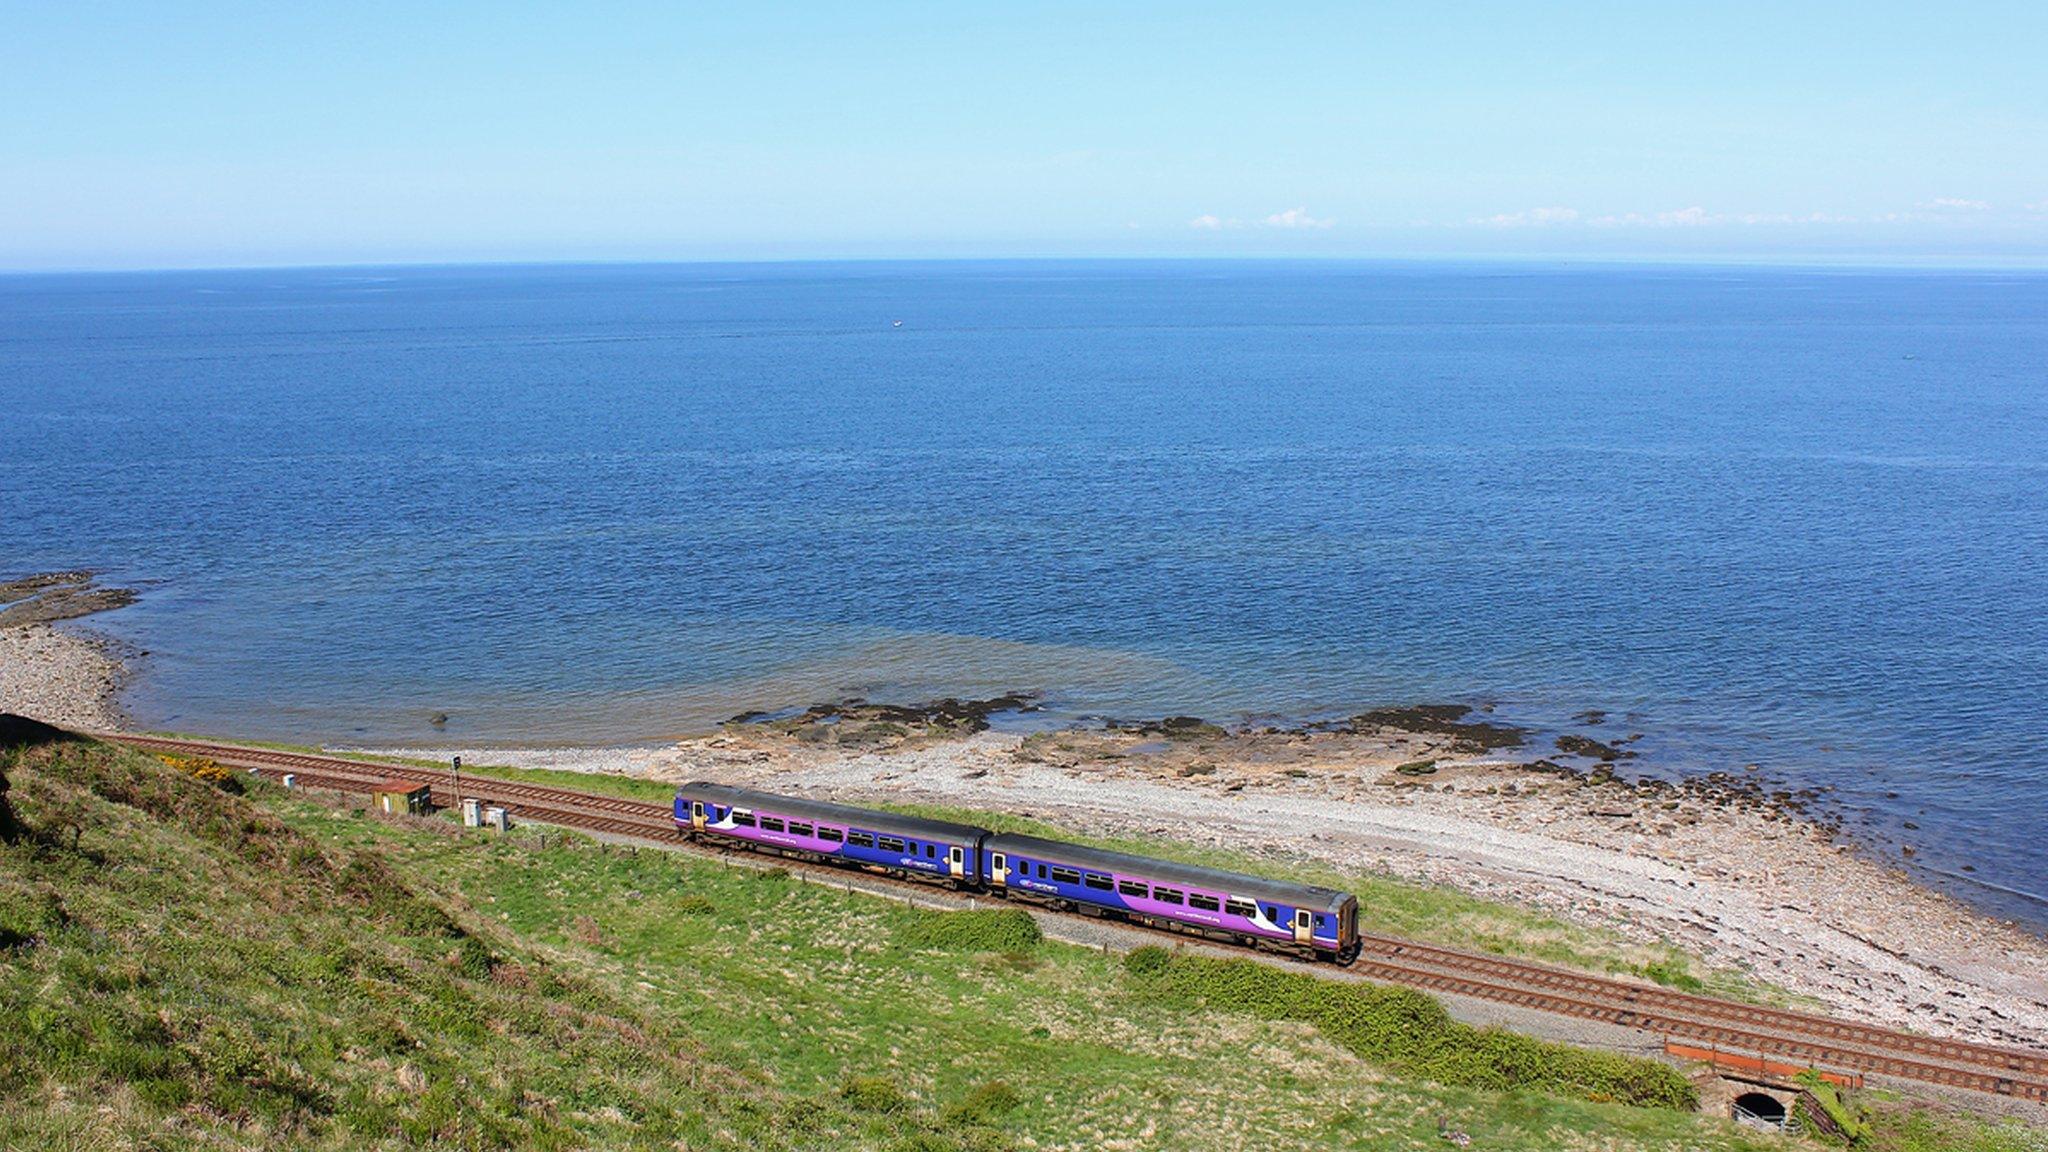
x,y
1759,1108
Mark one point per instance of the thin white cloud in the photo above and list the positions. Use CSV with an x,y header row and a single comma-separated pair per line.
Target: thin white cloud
x,y
1210,222
1792,218
1296,218
1532,218
1956,204
1693,217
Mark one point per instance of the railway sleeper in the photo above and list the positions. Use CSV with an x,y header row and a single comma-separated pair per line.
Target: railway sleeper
x,y
562,806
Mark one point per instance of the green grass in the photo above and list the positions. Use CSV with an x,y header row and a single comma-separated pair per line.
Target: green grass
x,y
1907,1129
204,970
179,969
279,970
1389,905
1877,1120
832,990
1404,1030
1418,911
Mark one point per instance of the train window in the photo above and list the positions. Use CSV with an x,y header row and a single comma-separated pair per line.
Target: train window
x,y
1131,888
1244,908
931,852
891,844
1205,903
743,819
1096,880
1041,871
860,839
1272,914
771,823
1066,876
830,835
1166,895
796,829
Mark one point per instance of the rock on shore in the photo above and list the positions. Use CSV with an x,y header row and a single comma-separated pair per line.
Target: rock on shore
x,y
1719,866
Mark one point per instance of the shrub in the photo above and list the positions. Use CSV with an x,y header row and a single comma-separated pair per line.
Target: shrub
x,y
1151,960
694,905
203,769
1838,1113
1672,974
975,930
873,1094
1408,1031
987,1104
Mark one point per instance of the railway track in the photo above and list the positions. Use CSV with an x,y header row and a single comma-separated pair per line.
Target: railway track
x,y
1821,1041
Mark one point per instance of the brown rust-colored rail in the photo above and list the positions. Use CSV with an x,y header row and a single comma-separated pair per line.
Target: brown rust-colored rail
x,y
1821,1041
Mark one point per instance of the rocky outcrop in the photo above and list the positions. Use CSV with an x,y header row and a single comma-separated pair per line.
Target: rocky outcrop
x,y
857,721
51,596
1467,737
1574,745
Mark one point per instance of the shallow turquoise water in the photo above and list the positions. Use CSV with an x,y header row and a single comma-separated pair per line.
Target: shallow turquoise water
x,y
1787,518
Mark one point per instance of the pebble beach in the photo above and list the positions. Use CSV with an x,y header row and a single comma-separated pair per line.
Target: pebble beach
x,y
63,675
1727,874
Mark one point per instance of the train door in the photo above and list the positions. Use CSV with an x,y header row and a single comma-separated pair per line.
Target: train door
x,y
697,815
1304,926
999,869
956,860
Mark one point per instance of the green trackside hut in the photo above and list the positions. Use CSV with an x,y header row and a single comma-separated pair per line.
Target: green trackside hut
x,y
402,796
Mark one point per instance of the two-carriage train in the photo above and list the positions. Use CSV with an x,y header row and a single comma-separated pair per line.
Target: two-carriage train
x,y
1301,919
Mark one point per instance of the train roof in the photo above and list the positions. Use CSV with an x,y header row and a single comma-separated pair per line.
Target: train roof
x,y
866,819
1192,875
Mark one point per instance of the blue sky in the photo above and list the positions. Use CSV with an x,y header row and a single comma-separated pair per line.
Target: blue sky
x,y
172,135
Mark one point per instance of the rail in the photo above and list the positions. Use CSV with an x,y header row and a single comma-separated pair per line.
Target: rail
x,y
1811,1039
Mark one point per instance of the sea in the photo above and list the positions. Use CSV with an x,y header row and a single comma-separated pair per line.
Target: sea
x,y
1788,524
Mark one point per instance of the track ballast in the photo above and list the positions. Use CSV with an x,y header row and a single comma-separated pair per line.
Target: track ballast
x,y
1808,1038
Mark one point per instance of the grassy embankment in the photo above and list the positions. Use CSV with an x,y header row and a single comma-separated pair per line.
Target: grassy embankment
x,y
1387,904
182,966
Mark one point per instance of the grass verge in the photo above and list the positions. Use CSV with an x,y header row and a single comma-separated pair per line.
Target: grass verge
x,y
1405,1030
1387,904
188,968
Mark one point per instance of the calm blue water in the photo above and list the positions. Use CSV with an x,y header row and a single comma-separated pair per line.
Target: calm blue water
x,y
1793,519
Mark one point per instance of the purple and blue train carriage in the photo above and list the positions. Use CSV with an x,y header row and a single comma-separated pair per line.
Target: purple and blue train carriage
x,y
1301,919
932,850
1320,923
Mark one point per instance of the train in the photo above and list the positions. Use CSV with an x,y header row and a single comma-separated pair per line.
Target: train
x,y
1302,920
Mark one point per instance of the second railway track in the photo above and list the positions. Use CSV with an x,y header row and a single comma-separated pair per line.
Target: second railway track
x,y
1805,1037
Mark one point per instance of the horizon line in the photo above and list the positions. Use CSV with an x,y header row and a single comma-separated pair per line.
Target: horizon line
x,y
1890,262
